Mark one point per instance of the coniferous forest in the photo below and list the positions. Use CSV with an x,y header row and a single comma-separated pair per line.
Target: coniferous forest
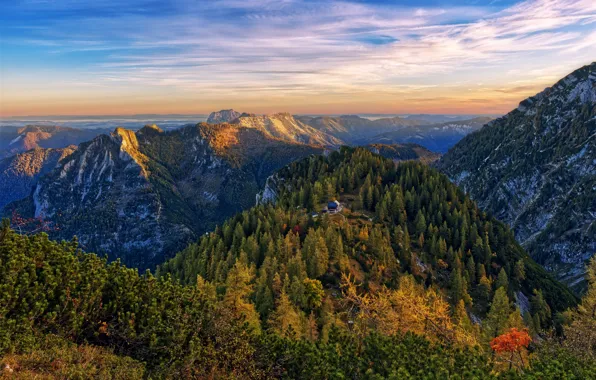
x,y
410,280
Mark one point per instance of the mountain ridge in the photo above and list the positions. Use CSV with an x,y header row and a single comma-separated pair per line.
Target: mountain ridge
x,y
125,192
535,169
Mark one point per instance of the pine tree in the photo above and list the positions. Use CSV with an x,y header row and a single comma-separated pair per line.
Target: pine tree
x,y
581,334
456,286
471,268
462,320
420,223
540,310
495,323
519,271
312,329
502,280
313,293
321,258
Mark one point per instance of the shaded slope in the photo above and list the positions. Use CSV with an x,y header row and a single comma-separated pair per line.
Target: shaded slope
x,y
535,169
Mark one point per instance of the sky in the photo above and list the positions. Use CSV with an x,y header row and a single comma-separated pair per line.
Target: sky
x,y
106,57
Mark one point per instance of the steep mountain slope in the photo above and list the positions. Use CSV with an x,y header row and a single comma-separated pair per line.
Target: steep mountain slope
x,y
535,169
19,173
401,152
436,137
351,128
284,126
16,140
396,220
223,116
140,196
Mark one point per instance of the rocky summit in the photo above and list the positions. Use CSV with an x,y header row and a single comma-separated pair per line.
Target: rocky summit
x,y
535,168
223,116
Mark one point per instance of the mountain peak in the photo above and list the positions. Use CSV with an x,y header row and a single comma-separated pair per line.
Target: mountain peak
x,y
223,116
580,85
150,128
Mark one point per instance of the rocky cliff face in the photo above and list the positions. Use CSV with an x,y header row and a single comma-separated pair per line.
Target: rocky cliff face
x,y
535,169
19,173
142,196
223,116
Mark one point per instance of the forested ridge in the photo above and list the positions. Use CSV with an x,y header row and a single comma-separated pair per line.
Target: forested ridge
x,y
404,219
409,280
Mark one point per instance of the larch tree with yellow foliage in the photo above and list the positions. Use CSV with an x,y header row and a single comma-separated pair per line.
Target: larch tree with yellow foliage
x,y
238,290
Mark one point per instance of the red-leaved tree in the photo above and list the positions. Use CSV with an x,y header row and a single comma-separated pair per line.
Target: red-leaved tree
x,y
512,342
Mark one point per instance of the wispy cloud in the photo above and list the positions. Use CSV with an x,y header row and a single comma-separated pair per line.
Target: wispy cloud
x,y
298,51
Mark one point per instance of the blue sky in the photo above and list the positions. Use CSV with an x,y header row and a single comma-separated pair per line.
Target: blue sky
x,y
192,56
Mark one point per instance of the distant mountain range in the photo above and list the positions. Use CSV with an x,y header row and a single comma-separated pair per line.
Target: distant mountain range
x,y
141,195
436,137
351,128
15,140
285,127
535,169
356,130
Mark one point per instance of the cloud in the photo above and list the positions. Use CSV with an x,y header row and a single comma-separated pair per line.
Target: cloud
x,y
212,48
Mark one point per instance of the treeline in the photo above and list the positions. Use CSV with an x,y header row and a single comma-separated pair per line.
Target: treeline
x,y
69,314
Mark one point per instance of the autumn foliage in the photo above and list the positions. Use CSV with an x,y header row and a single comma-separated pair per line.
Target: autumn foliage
x,y
514,341
511,341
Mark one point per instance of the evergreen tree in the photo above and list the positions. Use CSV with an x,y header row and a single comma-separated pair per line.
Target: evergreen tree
x,y
519,271
502,280
420,223
540,310
456,289
497,318
471,268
